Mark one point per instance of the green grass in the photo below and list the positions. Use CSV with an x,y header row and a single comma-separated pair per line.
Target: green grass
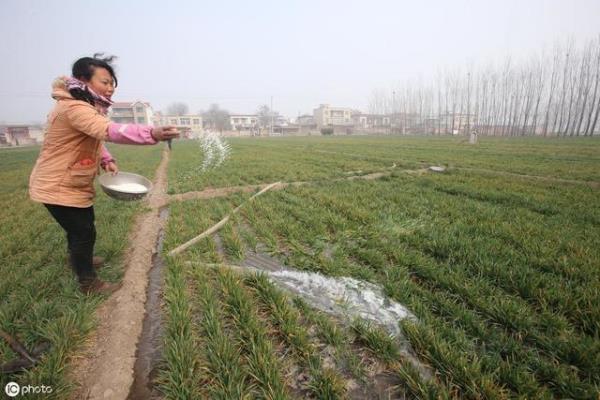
x,y
180,378
262,362
313,158
39,297
229,377
324,383
501,270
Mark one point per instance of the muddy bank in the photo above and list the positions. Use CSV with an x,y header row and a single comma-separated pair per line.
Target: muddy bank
x,y
149,350
212,193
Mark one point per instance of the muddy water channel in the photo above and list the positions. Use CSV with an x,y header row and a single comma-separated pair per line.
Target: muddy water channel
x,y
149,348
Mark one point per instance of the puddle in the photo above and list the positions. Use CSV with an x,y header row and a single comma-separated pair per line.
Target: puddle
x,y
149,348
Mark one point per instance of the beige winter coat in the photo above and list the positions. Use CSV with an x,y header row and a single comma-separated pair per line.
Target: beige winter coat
x,y
75,132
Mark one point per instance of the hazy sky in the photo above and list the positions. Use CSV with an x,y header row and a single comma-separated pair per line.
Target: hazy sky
x,y
240,53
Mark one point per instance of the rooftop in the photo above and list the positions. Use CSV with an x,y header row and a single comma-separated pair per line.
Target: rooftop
x,y
129,103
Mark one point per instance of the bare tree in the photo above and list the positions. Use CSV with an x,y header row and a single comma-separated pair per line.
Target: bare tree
x,y
217,118
266,115
552,87
595,102
177,108
538,92
551,93
584,89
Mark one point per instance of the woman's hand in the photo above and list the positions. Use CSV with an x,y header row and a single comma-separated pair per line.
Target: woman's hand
x,y
111,167
162,133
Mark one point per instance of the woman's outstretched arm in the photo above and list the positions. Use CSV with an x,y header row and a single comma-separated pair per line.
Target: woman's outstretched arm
x,y
130,134
84,118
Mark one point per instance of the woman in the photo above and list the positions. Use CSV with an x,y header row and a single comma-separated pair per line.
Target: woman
x,y
73,151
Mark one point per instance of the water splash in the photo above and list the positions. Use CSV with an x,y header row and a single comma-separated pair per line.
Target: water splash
x,y
344,296
215,151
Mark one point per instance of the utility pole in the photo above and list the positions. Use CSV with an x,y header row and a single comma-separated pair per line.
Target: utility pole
x,y
468,102
271,134
393,115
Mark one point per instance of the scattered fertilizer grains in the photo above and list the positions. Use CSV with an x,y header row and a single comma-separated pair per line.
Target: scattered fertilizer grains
x,y
215,150
128,187
499,271
287,159
39,297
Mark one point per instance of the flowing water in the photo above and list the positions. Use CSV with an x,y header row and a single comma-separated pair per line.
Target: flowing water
x,y
149,347
344,296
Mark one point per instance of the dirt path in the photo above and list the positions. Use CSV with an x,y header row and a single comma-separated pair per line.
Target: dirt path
x,y
217,192
226,191
105,369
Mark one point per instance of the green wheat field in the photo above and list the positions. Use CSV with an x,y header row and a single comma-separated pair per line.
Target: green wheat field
x,y
498,258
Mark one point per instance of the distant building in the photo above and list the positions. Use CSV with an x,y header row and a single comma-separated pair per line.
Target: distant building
x,y
326,116
305,120
280,120
193,121
432,125
392,123
288,129
456,123
3,138
367,121
15,135
404,123
282,126
132,112
306,124
37,132
243,122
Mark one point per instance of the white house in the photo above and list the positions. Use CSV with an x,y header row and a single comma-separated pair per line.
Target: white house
x,y
193,121
132,112
242,122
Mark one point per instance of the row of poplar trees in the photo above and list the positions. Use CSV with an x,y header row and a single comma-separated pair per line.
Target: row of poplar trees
x,y
552,93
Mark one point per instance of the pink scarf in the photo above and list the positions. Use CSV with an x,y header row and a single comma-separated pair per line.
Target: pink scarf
x,y
101,103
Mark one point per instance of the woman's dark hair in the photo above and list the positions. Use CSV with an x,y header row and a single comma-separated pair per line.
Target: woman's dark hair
x,y
83,69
